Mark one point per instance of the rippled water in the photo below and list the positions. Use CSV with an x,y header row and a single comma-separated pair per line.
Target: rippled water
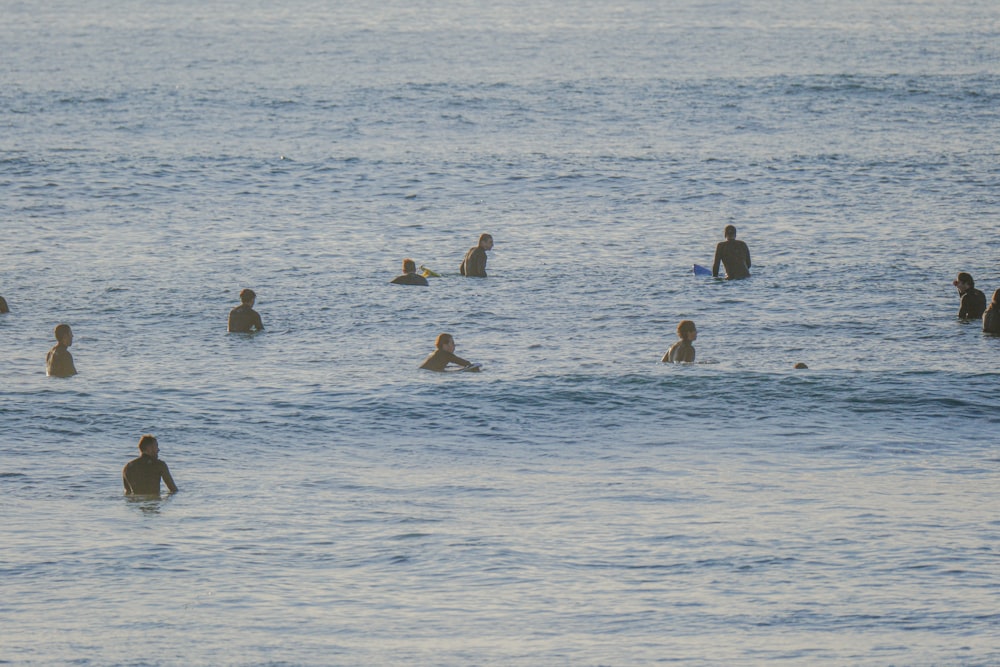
x,y
577,502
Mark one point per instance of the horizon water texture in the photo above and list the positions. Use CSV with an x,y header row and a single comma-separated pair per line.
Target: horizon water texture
x,y
578,502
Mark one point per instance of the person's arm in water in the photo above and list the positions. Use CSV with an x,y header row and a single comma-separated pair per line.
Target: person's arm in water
x,y
717,260
746,251
128,487
167,479
257,321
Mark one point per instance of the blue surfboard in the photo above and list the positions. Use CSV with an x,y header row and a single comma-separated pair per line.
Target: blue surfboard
x,y
700,270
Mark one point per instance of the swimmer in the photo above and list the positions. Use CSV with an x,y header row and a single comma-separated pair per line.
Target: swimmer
x,y
682,350
142,476
474,264
973,301
59,362
409,275
991,318
734,255
243,318
800,366
3,306
439,359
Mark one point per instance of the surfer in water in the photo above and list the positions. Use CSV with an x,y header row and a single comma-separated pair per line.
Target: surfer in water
x,y
973,300
682,350
243,318
991,318
142,476
59,362
474,264
3,306
439,359
409,275
734,255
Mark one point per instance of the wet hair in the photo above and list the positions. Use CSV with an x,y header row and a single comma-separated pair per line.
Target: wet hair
x,y
967,279
409,266
483,238
146,441
729,231
996,296
248,295
442,339
62,330
684,327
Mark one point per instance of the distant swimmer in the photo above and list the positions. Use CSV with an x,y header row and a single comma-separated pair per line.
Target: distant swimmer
x,y
800,366
682,350
409,275
991,318
142,476
734,255
243,318
3,306
973,301
439,359
474,264
59,362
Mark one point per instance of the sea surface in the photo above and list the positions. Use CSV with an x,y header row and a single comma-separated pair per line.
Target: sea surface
x,y
577,502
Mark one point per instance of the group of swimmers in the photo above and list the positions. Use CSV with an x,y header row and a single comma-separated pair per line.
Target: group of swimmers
x,y
142,476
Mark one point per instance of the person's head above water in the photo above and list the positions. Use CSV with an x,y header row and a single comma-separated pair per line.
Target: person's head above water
x,y
486,241
64,334
996,298
965,278
149,445
729,232
686,330
444,341
248,296
409,266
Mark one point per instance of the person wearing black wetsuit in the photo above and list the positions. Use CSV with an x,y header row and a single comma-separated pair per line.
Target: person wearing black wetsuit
x,y
439,359
682,351
59,362
409,275
991,318
243,318
733,254
973,301
474,264
142,476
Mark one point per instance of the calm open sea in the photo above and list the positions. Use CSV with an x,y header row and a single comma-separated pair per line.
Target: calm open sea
x,y
578,502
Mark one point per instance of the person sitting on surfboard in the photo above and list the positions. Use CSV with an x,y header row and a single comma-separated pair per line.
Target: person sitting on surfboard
x,y
973,301
409,275
439,359
734,255
474,264
243,318
682,350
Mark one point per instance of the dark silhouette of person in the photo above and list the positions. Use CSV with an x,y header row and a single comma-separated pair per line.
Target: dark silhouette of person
x,y
409,275
734,255
59,362
474,264
243,318
141,476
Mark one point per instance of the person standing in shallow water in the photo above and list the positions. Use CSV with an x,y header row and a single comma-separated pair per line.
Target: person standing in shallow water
x,y
141,476
474,264
243,318
733,254
59,362
682,351
973,301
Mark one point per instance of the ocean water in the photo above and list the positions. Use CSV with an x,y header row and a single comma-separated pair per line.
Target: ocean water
x,y
578,502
